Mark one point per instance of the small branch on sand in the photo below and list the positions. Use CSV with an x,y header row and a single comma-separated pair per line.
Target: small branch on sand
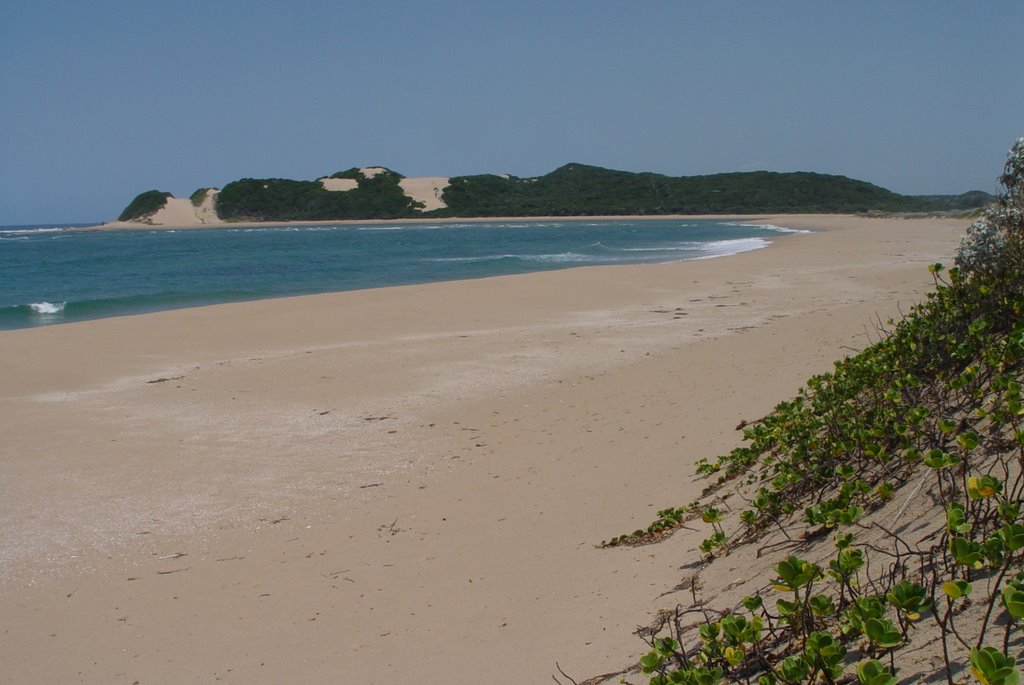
x,y
564,674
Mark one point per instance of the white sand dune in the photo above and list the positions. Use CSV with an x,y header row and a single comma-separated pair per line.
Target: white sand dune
x,y
426,189
339,184
206,212
178,212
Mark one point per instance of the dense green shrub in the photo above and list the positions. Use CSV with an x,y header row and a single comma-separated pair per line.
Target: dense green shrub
x,y
198,196
278,199
144,205
579,189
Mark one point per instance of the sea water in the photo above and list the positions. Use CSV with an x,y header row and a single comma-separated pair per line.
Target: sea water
x,y
57,274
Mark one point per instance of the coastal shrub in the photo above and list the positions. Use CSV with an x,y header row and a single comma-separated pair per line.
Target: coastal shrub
x,y
278,199
144,205
1001,227
938,399
356,174
353,174
198,196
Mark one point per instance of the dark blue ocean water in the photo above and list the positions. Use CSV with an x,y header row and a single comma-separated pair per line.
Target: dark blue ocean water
x,y
59,274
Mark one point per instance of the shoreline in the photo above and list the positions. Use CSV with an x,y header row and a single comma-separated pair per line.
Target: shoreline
x,y
408,480
136,226
56,314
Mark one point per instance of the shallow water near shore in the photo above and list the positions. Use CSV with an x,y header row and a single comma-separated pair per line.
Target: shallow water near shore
x,y
58,274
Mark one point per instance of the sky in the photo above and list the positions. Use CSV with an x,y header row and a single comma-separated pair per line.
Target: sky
x,y
102,100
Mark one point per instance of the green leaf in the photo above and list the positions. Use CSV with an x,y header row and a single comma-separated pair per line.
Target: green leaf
x,y
909,598
651,662
1013,600
882,633
968,441
981,487
874,673
955,589
822,605
1012,536
966,552
991,667
956,519
795,668
795,573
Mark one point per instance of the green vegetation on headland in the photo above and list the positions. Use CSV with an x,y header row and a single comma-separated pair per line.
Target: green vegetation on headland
x,y
891,489
144,205
278,199
571,190
580,190
198,196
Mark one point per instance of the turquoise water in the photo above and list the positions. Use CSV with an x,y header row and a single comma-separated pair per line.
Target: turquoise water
x,y
60,274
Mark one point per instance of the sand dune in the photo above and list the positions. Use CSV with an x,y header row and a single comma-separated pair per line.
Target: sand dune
x,y
339,184
426,189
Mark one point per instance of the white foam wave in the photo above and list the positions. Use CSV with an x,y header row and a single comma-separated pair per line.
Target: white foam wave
x,y
377,229
47,307
680,247
569,258
32,231
484,258
770,227
724,248
554,258
449,225
529,224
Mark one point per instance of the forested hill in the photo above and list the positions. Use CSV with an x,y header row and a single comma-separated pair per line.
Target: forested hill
x,y
571,190
579,189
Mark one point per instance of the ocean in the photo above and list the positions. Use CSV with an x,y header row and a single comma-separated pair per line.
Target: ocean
x,y
59,274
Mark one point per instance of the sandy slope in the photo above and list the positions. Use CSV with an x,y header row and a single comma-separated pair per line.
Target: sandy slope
x,y
339,184
426,189
405,483
178,212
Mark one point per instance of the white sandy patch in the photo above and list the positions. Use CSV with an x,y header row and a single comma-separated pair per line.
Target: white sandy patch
x,y
206,212
371,171
179,211
426,189
341,184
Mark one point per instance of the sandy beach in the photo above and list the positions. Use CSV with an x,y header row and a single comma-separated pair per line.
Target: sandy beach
x,y
404,483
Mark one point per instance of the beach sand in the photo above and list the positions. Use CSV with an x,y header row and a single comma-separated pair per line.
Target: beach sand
x,y
406,483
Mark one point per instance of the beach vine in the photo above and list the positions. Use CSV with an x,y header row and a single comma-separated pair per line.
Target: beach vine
x,y
896,482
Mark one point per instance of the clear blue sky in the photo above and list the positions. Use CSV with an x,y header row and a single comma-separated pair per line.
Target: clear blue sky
x,y
101,100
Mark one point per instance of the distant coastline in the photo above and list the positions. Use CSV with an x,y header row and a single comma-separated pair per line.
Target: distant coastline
x,y
571,191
